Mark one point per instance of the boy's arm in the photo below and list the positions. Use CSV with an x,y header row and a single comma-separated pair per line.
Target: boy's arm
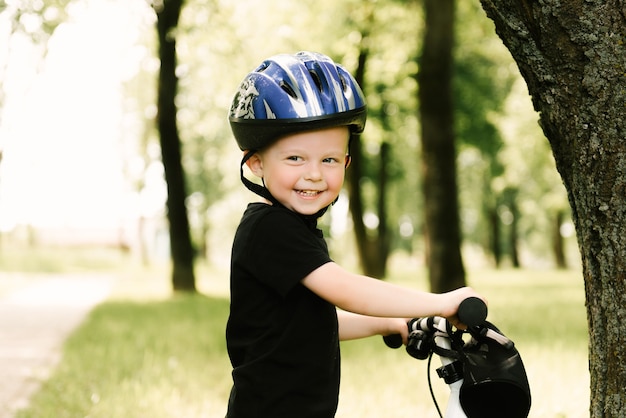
x,y
353,326
367,296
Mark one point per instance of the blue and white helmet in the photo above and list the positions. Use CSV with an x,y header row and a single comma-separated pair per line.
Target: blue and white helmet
x,y
294,93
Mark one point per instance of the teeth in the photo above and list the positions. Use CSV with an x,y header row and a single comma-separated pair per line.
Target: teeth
x,y
308,192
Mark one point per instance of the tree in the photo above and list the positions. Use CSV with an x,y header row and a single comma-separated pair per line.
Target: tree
x,y
183,278
380,67
373,248
573,58
483,78
442,226
529,190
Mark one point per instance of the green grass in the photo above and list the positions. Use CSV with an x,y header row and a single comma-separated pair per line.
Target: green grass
x,y
51,259
142,359
164,356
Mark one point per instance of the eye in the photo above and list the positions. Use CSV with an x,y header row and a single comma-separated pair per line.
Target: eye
x,y
294,158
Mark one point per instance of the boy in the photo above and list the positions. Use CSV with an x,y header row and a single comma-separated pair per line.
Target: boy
x,y
293,117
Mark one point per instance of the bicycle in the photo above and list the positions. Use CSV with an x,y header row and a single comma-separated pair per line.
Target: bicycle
x,y
485,374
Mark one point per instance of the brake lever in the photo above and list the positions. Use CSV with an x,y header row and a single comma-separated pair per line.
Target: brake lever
x,y
485,331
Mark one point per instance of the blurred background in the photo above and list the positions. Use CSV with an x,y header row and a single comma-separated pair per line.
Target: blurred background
x,y
82,162
84,190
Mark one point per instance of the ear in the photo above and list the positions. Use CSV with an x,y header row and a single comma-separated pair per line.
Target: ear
x,y
348,160
255,164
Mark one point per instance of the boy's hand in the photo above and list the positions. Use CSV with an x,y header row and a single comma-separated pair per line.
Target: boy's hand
x,y
454,299
398,326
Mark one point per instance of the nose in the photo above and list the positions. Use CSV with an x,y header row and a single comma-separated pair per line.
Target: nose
x,y
313,172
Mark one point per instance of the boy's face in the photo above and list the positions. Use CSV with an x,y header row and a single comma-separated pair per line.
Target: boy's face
x,y
304,171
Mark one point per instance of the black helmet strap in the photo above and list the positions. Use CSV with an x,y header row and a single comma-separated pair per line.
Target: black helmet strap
x,y
253,187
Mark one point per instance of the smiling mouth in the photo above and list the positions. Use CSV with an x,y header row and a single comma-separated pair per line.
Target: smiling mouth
x,y
308,193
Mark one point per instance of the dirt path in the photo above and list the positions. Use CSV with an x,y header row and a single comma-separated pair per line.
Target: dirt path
x,y
35,319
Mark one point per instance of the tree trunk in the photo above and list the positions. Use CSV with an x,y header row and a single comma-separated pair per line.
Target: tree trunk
x,y
513,234
573,57
182,252
513,237
442,230
372,249
558,246
494,238
382,242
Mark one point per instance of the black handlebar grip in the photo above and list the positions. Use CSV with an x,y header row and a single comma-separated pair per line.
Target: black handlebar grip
x,y
393,340
472,311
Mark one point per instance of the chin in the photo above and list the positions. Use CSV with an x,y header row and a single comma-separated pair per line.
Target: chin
x,y
307,211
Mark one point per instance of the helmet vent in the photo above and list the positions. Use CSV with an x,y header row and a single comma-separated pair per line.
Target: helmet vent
x,y
288,89
316,80
344,85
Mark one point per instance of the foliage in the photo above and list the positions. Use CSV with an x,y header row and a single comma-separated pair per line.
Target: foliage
x,y
540,190
496,124
219,41
35,19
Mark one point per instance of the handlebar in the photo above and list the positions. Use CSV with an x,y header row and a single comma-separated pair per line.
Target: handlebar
x,y
471,312
393,340
485,373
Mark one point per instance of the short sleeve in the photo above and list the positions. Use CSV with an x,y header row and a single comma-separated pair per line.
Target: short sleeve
x,y
286,249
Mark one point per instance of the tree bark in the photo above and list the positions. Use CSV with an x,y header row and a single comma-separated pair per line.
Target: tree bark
x,y
182,251
442,229
573,57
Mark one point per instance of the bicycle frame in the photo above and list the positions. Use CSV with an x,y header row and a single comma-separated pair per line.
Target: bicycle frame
x,y
451,370
442,340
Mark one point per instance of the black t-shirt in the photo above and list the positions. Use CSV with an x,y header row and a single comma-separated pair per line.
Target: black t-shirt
x,y
282,339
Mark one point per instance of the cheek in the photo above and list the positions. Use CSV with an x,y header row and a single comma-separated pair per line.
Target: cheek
x,y
285,178
335,181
